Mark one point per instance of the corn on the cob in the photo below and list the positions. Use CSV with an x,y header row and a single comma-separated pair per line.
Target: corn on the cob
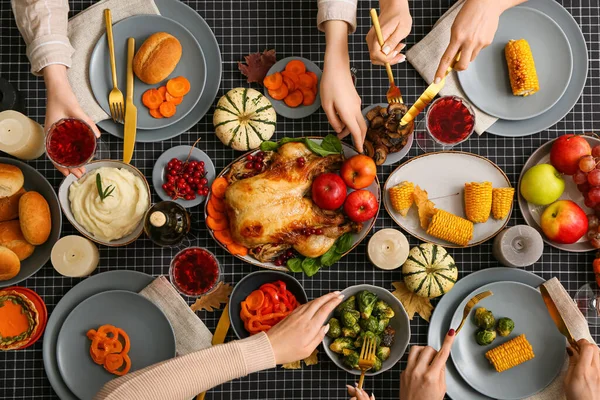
x,y
401,197
478,201
450,227
510,354
502,200
521,68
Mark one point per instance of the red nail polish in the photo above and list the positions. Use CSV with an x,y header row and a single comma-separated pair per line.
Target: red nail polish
x,y
451,332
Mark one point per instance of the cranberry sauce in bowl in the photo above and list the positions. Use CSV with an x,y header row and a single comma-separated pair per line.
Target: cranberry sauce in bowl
x,y
195,271
450,120
70,143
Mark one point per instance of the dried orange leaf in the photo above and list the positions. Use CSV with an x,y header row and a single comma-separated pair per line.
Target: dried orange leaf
x,y
310,360
425,207
411,302
214,299
292,365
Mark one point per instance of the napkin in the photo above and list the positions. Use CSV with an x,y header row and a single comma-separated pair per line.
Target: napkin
x,y
190,332
84,31
425,55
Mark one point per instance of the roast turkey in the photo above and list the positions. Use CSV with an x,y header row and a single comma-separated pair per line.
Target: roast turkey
x,y
271,211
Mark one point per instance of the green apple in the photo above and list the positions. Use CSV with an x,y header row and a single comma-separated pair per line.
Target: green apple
x,y
542,185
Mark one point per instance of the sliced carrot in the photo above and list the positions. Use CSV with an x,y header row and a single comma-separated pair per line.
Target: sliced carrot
x,y
287,81
219,186
175,100
178,86
314,77
294,99
273,81
309,96
213,212
255,300
217,203
155,113
152,98
163,92
279,94
217,224
314,90
224,237
306,81
296,66
237,249
167,109
291,76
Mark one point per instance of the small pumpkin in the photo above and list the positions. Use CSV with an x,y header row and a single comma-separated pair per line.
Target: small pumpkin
x,y
429,271
244,118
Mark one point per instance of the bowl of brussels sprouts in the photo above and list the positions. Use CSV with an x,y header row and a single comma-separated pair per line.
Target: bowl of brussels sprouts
x,y
367,311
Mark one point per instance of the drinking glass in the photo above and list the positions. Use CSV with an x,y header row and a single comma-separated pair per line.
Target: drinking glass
x,y
70,143
587,299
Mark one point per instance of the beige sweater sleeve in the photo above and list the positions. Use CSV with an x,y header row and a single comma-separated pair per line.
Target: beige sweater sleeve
x,y
341,10
43,25
183,377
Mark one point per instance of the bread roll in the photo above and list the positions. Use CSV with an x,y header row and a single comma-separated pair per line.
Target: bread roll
x,y
9,206
9,264
156,58
11,180
34,216
12,237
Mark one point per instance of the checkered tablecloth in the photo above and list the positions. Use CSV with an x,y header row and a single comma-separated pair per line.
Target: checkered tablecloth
x,y
246,26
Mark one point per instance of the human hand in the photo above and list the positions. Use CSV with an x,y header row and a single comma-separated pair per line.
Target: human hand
x,y
425,373
583,377
396,22
62,103
358,394
299,334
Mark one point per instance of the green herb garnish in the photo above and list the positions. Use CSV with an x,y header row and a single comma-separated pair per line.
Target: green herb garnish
x,y
311,266
103,193
330,145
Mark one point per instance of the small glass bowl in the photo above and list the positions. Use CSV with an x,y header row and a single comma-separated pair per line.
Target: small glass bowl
x,y
174,281
432,106
51,132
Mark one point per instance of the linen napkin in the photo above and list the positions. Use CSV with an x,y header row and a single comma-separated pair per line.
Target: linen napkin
x,y
190,332
84,31
425,55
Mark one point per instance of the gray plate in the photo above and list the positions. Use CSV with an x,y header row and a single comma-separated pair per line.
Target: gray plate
x,y
541,155
561,16
35,181
400,323
140,27
487,82
191,20
439,325
113,280
524,305
181,152
392,158
144,323
301,111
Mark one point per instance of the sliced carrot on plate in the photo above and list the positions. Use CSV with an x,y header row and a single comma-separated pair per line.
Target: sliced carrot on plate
x,y
155,113
306,81
314,77
152,99
178,86
175,100
217,224
296,66
309,96
293,77
163,92
224,237
217,203
219,186
273,81
294,99
237,249
213,212
167,109
279,94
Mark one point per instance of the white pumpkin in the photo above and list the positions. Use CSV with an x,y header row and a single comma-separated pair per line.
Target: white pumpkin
x,y
244,118
429,270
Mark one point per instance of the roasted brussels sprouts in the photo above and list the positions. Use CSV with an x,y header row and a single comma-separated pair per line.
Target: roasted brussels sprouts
x,y
366,303
388,336
348,304
377,366
383,323
505,326
370,324
350,318
360,339
383,353
351,332
383,310
339,344
351,359
484,319
335,329
485,337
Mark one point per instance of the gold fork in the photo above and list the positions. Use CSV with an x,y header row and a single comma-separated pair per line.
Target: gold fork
x,y
393,94
116,103
367,358
476,299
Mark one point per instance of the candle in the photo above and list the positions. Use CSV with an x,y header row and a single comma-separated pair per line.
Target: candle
x,y
74,256
20,136
388,249
518,246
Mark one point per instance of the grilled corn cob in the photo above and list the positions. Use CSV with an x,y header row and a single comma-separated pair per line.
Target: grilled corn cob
x,y
510,354
450,227
401,197
502,199
521,68
478,201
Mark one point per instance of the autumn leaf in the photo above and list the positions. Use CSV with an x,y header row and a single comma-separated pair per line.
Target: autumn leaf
x,y
411,302
257,65
310,360
214,299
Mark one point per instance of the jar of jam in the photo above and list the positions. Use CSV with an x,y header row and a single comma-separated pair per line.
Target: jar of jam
x,y
195,271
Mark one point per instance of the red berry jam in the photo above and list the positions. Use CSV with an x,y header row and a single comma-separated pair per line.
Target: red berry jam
x,y
449,120
70,143
194,271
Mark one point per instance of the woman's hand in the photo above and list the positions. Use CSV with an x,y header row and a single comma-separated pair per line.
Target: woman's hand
x,y
62,103
396,22
424,376
358,394
583,377
339,98
299,334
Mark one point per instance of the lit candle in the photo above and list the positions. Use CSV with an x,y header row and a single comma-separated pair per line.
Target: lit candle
x,y
20,136
518,246
74,256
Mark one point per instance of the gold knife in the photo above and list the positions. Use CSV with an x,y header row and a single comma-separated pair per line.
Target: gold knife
x,y
427,96
557,318
130,109
219,335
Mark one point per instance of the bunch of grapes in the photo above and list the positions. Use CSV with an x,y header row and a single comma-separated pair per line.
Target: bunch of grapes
x,y
587,179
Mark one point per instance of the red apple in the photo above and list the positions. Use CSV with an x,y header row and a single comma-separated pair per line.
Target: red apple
x,y
564,222
359,171
329,191
566,152
361,206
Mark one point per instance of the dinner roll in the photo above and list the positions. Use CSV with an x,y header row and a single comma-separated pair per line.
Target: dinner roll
x,y
156,58
12,237
34,216
11,180
9,206
9,264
